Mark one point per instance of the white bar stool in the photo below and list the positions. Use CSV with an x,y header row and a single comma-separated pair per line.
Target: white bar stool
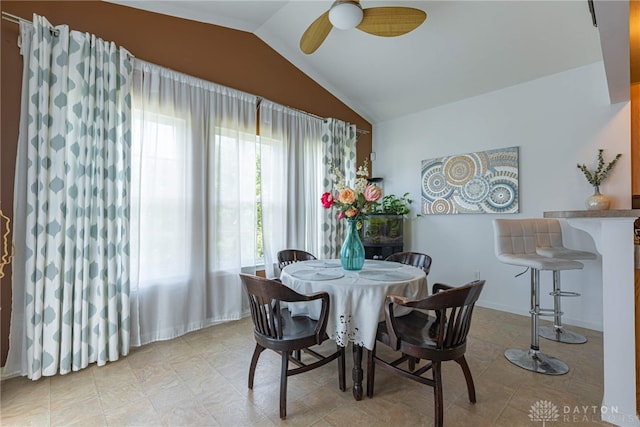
x,y
549,244
515,244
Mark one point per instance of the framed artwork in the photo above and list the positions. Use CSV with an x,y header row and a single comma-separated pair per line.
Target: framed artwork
x,y
474,183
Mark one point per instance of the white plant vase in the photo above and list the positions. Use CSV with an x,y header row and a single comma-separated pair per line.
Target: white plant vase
x,y
597,201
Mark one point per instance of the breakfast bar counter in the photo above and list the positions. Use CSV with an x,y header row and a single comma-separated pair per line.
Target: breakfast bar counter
x,y
612,232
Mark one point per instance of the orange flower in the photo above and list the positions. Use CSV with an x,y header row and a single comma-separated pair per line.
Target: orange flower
x,y
347,196
350,213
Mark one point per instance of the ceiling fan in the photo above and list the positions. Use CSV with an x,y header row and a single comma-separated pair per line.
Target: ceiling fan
x,y
387,21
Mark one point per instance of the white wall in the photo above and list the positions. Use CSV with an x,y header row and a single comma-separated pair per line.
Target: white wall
x,y
557,121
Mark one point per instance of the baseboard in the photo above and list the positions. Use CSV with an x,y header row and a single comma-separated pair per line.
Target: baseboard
x,y
595,326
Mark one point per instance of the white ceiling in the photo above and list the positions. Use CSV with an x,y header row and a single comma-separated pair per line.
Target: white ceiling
x,y
464,48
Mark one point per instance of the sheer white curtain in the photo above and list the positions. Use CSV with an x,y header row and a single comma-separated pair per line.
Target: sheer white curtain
x,y
291,172
193,202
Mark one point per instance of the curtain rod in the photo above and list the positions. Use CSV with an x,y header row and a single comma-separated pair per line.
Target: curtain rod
x,y
12,18
16,20
358,131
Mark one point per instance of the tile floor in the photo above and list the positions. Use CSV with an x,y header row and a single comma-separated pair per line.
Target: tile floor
x,y
200,379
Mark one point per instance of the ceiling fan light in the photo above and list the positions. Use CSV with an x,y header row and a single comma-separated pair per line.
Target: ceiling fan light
x,y
345,15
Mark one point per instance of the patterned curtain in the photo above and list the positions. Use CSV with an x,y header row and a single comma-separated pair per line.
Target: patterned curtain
x,y
339,146
71,270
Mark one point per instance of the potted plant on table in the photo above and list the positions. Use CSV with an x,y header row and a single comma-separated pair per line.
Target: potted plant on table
x,y
598,201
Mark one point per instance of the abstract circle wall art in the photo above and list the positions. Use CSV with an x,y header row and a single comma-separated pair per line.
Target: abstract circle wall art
x,y
481,182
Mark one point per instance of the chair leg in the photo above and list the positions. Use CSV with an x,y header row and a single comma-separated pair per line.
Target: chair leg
x,y
471,389
254,361
341,369
283,384
412,361
533,359
557,332
437,392
371,370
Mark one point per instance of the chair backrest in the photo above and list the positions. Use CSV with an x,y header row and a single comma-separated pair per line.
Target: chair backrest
x,y
415,259
513,237
289,256
523,236
265,297
548,233
453,307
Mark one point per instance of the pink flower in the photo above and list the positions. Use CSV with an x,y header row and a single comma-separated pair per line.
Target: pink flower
x,y
347,196
340,215
327,200
372,193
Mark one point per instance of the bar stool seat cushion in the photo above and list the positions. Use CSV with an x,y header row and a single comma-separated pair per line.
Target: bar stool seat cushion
x,y
539,262
548,240
565,253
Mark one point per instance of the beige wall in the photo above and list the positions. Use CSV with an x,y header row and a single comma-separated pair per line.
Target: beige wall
x,y
232,58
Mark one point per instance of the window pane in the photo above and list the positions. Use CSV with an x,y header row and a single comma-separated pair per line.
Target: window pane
x,y
164,200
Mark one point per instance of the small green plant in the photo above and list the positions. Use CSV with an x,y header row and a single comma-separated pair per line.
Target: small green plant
x,y
393,205
598,176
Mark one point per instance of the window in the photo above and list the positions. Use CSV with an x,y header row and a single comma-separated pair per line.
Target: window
x,y
160,170
210,197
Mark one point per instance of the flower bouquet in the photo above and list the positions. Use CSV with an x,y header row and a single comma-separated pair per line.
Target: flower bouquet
x,y
352,204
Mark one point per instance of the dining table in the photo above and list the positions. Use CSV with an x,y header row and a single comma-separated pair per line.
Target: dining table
x,y
356,299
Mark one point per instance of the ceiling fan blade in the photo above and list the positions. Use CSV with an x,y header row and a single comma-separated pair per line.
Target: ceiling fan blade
x,y
316,33
391,21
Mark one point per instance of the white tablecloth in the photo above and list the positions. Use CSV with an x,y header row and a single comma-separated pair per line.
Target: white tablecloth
x,y
357,297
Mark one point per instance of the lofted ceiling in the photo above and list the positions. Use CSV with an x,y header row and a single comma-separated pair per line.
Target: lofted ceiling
x,y
463,49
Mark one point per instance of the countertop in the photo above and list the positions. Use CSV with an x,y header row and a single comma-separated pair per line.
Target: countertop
x,y
613,213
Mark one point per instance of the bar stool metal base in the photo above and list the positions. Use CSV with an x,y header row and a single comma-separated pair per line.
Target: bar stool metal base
x,y
533,360
561,335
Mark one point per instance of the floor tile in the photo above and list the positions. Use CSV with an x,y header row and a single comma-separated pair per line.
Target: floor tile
x,y
200,379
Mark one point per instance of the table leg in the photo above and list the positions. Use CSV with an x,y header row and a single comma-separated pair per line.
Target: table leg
x,y
357,371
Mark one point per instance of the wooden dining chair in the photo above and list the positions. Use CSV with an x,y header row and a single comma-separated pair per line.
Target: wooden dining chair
x,y
418,260
435,338
276,329
289,256
415,259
